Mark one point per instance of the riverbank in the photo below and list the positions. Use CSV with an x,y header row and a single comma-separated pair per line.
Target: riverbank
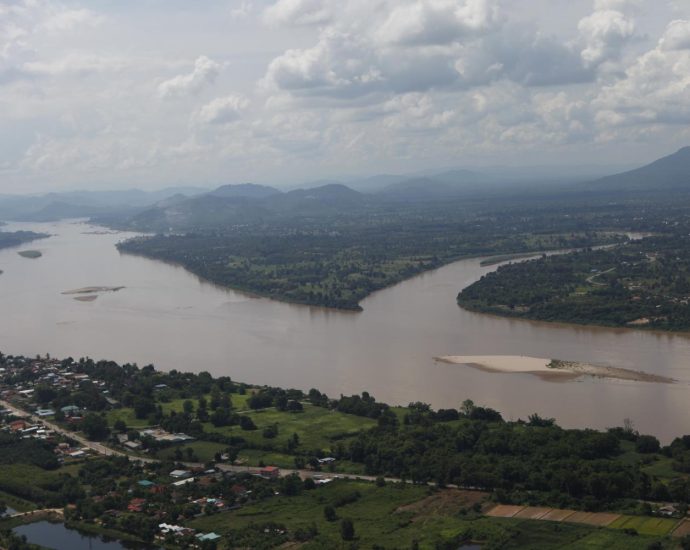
x,y
550,369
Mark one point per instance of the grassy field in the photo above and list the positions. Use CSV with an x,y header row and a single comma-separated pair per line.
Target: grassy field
x,y
204,451
645,525
316,427
126,414
395,515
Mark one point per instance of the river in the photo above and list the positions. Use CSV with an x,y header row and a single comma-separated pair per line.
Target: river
x,y
168,317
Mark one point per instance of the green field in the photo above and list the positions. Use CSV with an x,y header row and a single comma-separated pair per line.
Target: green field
x,y
645,525
316,427
396,515
126,414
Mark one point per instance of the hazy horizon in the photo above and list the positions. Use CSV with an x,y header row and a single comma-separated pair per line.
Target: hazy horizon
x,y
150,95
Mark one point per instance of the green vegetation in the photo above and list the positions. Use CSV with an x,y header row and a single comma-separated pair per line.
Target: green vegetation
x,y
643,284
17,238
398,516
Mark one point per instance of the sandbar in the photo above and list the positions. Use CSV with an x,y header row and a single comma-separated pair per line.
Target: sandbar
x,y
86,298
93,290
549,369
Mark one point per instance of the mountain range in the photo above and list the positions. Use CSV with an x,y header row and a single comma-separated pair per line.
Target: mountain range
x,y
188,208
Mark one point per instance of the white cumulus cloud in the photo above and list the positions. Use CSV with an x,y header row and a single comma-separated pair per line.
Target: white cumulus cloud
x,y
205,72
223,110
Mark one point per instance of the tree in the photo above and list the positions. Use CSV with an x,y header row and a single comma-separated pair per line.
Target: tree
x,y
467,407
120,425
144,406
347,529
647,444
247,423
95,426
329,513
188,407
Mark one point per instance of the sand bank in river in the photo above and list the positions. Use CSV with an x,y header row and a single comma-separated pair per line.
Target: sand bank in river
x,y
93,290
549,369
86,298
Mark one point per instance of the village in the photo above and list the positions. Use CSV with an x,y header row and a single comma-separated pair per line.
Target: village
x,y
134,492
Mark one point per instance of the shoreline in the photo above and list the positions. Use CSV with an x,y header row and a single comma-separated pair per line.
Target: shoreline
x,y
550,369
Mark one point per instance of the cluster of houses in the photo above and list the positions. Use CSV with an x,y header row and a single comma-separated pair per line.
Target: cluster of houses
x,y
165,530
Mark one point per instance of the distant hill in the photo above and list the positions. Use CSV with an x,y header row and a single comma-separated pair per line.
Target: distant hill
x,y
447,184
243,204
84,204
246,190
668,173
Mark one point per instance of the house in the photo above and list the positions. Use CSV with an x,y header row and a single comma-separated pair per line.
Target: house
x,y
45,412
184,482
18,425
71,410
180,474
145,483
133,445
208,537
271,472
178,530
136,505
327,460
77,454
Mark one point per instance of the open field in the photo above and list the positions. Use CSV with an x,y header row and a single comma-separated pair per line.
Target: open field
x,y
397,515
645,525
126,414
316,427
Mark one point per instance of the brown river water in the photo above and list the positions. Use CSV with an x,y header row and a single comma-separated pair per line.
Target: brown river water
x,y
168,317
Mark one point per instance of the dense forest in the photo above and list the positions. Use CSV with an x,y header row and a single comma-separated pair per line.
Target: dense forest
x,y
643,284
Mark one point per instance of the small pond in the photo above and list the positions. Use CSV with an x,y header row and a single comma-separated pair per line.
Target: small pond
x,y
59,537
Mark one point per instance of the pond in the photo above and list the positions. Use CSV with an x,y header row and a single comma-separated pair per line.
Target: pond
x,y
58,537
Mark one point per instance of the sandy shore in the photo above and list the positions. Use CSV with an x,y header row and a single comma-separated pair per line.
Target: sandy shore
x,y
549,369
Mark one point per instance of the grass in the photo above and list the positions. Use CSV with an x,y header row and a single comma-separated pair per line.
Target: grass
x,y
316,427
126,414
19,504
645,525
204,451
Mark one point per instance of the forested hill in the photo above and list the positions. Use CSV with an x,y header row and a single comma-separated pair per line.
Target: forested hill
x,y
643,284
668,173
16,238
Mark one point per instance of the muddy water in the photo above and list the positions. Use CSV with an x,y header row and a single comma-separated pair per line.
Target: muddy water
x,y
168,317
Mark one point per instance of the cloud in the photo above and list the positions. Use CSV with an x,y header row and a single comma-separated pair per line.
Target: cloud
x,y
73,64
435,22
605,33
67,20
205,72
223,110
677,36
656,87
299,12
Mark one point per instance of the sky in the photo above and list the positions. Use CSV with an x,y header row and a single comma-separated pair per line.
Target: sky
x,y
110,94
